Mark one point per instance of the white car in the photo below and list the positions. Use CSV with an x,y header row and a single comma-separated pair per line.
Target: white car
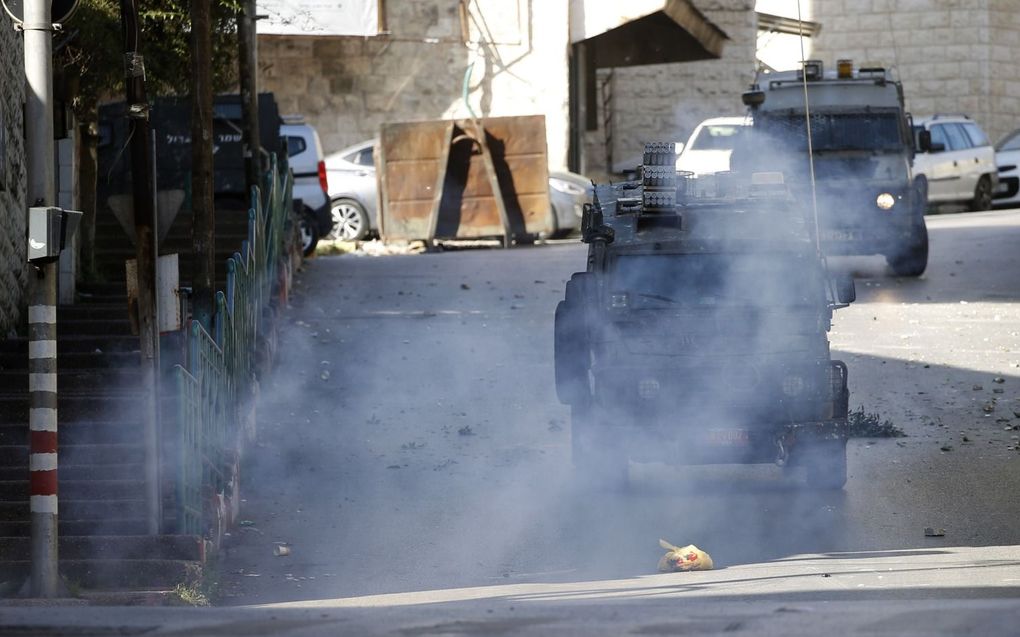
x,y
709,147
304,153
354,199
1007,159
957,161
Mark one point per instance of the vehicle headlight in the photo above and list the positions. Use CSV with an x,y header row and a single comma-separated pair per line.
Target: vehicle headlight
x,y
885,201
793,385
648,388
566,187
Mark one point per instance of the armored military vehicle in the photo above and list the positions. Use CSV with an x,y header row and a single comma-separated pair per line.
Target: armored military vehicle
x,y
698,332
862,144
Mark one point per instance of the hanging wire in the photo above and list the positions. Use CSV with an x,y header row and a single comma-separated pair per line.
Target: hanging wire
x,y
807,124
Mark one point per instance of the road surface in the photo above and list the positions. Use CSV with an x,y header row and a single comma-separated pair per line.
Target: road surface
x,y
411,439
414,459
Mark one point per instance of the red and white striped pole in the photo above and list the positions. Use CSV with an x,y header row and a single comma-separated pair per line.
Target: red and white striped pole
x,y
42,311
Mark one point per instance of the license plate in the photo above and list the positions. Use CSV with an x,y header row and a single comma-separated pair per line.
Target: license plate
x,y
840,235
728,437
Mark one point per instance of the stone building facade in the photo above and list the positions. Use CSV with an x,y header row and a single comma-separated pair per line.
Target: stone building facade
x,y
13,177
665,102
953,56
519,54
348,86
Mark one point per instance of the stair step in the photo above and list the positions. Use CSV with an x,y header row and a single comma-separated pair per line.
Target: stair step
x,y
110,574
78,343
91,311
81,472
112,407
77,432
113,380
123,547
84,510
12,456
70,490
89,327
68,527
73,360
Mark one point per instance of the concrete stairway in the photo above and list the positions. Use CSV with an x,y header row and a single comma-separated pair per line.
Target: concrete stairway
x,y
101,455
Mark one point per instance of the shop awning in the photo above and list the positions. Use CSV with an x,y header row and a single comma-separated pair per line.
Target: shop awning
x,y
644,32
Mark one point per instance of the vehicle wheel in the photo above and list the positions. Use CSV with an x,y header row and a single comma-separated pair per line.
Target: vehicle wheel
x,y
825,464
309,234
914,260
982,194
350,221
570,354
599,461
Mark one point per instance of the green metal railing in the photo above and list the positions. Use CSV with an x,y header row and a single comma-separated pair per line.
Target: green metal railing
x,y
218,377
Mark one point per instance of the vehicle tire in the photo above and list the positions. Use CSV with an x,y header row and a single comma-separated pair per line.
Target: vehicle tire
x,y
570,354
913,261
350,221
600,463
309,234
982,195
825,464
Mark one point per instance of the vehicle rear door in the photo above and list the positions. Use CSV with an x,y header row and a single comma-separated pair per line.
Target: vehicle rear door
x,y
982,151
942,176
962,153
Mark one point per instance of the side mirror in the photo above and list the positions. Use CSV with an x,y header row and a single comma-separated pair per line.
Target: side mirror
x,y
679,147
846,291
924,141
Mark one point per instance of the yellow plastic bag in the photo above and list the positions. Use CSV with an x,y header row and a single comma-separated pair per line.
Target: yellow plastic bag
x,y
683,558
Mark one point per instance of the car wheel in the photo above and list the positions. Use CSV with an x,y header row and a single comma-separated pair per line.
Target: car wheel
x,y
309,234
982,195
914,260
350,221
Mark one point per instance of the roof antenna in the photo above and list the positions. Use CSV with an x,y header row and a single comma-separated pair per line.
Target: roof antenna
x,y
807,124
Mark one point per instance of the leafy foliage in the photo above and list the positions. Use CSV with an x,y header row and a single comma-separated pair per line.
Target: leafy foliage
x,y
91,49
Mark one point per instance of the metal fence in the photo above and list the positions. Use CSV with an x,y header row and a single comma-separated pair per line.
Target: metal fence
x,y
218,377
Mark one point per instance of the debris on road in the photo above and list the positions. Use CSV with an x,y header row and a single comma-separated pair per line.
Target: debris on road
x,y
946,448
988,408
999,379
686,558
933,532
324,375
466,431
977,387
863,425
282,549
465,286
413,445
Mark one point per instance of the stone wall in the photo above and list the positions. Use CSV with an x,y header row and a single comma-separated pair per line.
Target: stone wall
x,y
348,86
953,56
665,102
13,178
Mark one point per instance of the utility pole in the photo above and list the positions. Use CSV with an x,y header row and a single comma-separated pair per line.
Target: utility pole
x,y
247,43
203,228
42,310
143,190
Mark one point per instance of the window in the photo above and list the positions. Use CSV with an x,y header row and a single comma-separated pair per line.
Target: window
x,y
295,145
976,135
1010,143
717,137
958,139
365,157
938,136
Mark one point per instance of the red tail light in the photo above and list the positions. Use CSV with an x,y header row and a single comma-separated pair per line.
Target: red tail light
x,y
322,177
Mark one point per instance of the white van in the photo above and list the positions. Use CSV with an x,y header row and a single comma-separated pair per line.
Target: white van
x,y
709,147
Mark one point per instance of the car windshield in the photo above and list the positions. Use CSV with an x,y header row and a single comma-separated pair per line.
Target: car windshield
x,y
716,279
717,137
837,131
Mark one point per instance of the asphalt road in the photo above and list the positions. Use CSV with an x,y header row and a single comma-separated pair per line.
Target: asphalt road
x,y
413,457
411,439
